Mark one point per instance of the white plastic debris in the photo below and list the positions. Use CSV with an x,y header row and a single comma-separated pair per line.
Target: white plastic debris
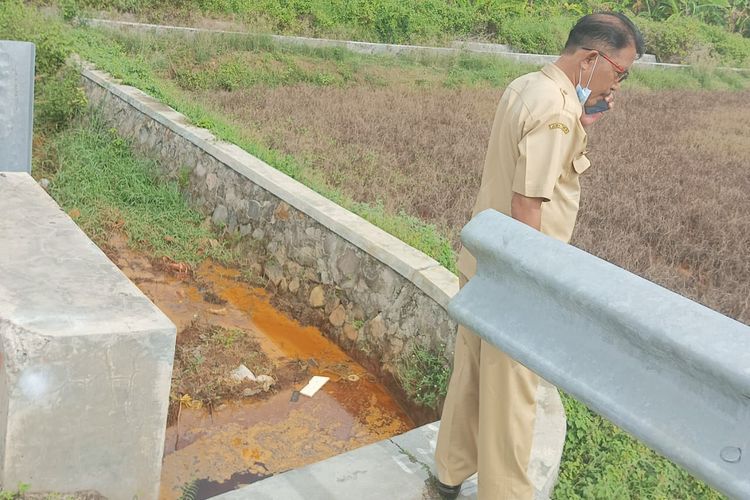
x,y
242,372
314,386
266,381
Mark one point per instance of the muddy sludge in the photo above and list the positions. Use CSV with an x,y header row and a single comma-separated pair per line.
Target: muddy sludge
x,y
219,440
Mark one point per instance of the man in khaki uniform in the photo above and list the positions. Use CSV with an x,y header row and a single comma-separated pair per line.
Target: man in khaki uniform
x,y
536,153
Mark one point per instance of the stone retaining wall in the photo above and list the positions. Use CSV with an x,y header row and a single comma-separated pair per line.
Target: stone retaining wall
x,y
376,296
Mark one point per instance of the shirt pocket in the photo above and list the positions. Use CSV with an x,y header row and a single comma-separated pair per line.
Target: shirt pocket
x,y
581,164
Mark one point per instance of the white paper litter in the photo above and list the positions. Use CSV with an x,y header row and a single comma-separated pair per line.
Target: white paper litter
x,y
314,385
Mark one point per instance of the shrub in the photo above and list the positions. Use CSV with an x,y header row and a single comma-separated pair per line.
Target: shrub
x,y
730,48
57,94
53,46
60,99
535,34
677,38
69,9
672,40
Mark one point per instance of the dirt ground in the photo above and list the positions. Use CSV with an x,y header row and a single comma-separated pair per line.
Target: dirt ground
x,y
666,197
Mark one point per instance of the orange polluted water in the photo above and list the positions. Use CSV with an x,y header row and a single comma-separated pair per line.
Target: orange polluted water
x,y
242,441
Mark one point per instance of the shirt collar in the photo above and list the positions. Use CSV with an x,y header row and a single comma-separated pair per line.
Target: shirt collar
x,y
558,76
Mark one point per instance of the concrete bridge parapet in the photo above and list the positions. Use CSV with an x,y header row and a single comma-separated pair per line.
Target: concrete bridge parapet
x,y
85,358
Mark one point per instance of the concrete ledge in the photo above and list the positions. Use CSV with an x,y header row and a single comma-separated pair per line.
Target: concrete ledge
x,y
399,468
85,358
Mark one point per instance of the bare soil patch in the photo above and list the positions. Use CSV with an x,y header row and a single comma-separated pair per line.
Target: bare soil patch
x,y
204,361
666,197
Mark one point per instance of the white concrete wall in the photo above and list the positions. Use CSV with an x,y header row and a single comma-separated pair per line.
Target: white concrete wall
x,y
85,358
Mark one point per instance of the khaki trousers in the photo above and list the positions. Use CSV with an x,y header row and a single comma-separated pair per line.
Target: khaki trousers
x,y
487,425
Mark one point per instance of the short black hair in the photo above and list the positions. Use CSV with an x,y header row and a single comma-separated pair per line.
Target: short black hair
x,y
613,29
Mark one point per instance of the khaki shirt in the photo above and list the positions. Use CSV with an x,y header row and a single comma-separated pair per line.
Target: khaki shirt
x,y
537,149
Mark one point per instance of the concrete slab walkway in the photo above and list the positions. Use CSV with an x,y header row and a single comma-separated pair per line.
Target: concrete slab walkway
x,y
400,468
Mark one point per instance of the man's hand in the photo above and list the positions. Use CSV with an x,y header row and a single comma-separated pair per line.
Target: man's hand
x,y
588,120
527,210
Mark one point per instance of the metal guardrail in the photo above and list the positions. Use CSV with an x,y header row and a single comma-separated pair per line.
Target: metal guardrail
x,y
672,372
16,105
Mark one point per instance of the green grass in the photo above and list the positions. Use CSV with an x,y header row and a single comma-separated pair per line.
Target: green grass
x,y
135,71
231,62
693,78
105,187
245,61
600,461
14,495
673,28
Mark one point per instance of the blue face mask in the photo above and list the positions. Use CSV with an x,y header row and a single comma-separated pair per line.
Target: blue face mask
x,y
584,93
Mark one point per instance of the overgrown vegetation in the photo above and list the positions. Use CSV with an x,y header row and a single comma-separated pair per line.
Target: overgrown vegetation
x,y
424,375
600,461
674,28
57,97
104,187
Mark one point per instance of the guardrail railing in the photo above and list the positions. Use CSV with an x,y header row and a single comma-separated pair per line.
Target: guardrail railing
x,y
671,372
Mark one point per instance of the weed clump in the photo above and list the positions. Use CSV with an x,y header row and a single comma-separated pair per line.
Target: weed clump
x,y
60,100
424,375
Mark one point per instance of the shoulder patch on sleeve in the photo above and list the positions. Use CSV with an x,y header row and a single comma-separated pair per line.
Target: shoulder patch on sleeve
x,y
561,126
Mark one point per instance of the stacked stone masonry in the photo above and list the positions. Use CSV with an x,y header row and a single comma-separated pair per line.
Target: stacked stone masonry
x,y
372,310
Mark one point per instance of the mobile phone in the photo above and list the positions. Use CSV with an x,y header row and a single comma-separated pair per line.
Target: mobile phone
x,y
597,108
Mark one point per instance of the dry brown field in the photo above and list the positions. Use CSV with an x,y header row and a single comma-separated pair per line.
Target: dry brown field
x,y
667,196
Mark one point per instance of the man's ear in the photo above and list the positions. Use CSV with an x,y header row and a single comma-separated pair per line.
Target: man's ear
x,y
588,58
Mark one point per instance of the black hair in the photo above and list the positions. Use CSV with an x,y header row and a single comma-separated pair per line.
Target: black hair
x,y
613,29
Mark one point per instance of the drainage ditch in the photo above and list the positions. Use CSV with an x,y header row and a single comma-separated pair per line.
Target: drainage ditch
x,y
225,432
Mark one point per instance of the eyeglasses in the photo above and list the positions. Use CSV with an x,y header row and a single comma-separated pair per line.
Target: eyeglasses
x,y
621,73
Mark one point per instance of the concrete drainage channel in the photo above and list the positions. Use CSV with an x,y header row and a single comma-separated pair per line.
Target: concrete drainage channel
x,y
378,300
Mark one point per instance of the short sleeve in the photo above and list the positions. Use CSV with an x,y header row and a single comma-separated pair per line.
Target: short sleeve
x,y
543,152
